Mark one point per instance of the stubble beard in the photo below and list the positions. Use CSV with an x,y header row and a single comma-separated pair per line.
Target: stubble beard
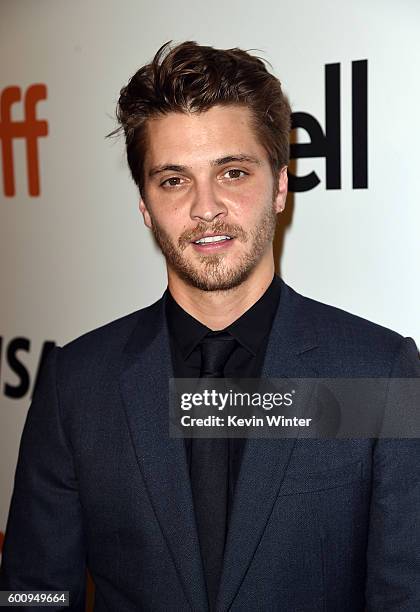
x,y
210,272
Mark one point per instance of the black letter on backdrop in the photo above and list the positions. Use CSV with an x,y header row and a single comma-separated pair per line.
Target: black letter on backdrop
x,y
15,345
360,124
46,348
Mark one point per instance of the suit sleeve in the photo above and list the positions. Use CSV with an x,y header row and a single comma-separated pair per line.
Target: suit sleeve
x,y
393,560
44,546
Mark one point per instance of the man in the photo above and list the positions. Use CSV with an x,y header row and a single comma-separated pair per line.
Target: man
x,y
167,524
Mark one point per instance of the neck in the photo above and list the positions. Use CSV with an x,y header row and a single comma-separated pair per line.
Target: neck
x,y
218,309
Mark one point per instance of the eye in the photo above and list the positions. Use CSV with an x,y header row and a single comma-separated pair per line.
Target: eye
x,y
235,173
173,181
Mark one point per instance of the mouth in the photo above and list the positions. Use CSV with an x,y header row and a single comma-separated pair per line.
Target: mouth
x,y
211,239
213,242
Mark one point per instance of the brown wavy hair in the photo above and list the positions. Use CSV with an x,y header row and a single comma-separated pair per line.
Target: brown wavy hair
x,y
193,78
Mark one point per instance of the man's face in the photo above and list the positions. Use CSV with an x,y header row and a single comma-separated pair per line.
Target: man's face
x,y
209,196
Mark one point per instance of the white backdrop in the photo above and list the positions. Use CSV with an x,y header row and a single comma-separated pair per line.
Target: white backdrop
x,y
78,255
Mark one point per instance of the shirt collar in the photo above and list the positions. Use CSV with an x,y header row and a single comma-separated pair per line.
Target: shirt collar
x,y
250,329
255,324
185,330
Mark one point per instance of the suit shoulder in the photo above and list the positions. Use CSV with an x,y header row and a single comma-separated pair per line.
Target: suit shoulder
x,y
108,339
348,328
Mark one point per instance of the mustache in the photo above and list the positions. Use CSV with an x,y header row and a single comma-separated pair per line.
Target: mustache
x,y
219,227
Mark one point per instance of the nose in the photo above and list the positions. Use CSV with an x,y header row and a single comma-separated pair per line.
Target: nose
x,y
207,203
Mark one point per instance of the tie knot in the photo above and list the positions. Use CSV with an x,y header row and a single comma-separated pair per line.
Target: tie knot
x,y
216,349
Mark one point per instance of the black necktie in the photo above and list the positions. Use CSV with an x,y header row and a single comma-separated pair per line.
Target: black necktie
x,y
210,472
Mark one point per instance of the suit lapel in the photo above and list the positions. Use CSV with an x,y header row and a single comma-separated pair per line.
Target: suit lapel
x,y
145,385
265,461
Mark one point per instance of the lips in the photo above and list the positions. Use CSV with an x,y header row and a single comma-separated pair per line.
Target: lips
x,y
213,238
205,238
213,243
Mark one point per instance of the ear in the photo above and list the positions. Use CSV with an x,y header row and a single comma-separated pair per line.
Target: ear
x,y
146,215
280,201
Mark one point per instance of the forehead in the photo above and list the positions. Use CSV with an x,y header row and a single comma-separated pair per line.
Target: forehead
x,y
201,136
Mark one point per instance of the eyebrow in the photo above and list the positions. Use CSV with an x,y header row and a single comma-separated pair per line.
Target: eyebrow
x,y
221,161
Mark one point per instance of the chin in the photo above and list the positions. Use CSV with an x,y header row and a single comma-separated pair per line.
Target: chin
x,y
213,279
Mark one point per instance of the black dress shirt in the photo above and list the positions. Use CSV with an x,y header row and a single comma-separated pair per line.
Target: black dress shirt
x,y
251,331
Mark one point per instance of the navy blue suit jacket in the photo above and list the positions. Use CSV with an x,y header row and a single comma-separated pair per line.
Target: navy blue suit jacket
x,y
331,525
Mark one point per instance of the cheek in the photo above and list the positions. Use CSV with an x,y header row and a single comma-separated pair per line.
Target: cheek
x,y
165,212
249,204
174,220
